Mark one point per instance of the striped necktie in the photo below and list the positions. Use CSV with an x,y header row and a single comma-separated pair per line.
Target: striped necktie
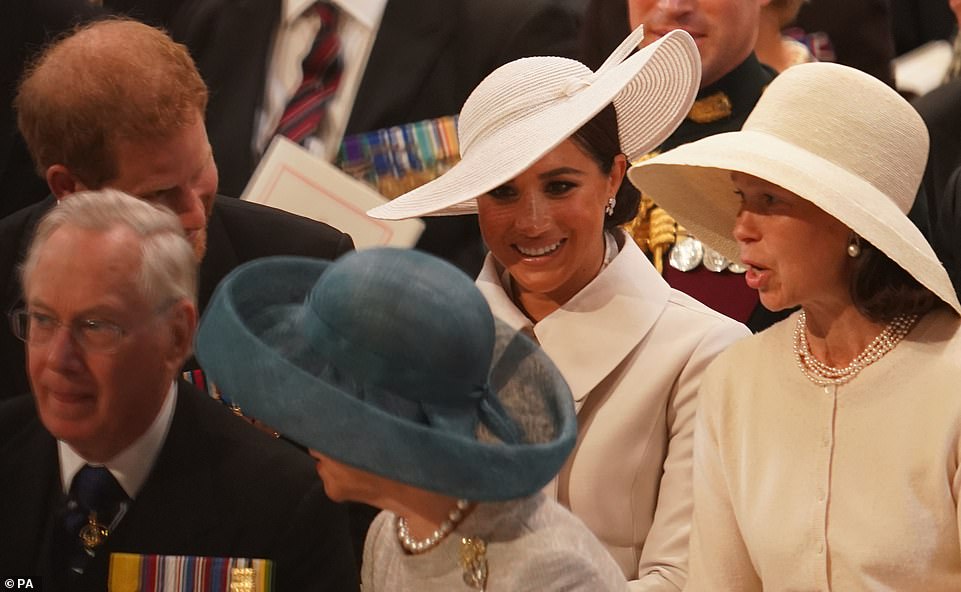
x,y
322,70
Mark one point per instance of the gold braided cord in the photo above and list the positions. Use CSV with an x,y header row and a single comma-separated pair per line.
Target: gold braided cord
x,y
711,108
653,229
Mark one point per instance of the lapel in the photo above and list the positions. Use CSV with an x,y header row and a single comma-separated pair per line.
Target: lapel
x,y
600,326
412,44
177,503
231,43
221,256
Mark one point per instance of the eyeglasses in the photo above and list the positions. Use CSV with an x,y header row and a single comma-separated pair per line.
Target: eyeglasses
x,y
94,335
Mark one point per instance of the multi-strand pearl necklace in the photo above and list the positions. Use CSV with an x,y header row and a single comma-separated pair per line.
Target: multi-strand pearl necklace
x,y
414,546
821,374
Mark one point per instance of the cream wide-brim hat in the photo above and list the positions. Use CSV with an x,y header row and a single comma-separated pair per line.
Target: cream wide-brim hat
x,y
831,134
527,107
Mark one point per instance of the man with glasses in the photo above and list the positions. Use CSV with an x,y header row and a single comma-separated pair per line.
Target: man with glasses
x,y
114,454
118,104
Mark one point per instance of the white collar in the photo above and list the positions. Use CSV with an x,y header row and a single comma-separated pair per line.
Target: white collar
x,y
611,249
618,308
368,12
132,465
291,10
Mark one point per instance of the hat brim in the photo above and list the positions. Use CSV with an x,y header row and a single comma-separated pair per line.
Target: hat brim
x,y
692,182
319,415
656,87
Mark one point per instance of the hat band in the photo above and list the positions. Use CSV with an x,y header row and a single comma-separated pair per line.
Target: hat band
x,y
349,357
449,404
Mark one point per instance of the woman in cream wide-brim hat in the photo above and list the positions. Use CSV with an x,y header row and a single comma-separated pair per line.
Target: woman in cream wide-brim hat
x,y
829,445
545,143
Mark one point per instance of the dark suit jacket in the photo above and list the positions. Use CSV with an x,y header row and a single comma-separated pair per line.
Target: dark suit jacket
x,y
237,232
859,30
915,22
427,57
945,217
219,487
941,111
939,199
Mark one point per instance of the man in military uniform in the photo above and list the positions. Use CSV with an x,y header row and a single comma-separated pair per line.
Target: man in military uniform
x,y
732,81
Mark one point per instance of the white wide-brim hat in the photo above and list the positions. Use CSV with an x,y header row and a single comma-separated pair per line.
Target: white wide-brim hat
x,y
831,134
527,107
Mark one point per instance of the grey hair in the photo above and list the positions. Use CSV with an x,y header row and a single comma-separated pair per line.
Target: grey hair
x,y
168,267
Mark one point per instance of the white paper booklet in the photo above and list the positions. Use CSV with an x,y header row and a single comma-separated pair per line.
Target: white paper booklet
x,y
292,179
922,69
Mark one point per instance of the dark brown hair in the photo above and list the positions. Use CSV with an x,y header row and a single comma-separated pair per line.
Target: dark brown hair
x,y
598,139
882,290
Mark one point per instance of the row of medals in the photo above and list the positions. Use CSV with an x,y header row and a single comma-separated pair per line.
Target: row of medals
x,y
688,252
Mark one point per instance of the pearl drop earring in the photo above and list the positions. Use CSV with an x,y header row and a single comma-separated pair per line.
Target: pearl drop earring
x,y
609,210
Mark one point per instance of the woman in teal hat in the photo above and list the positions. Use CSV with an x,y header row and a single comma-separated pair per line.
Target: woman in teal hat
x,y
389,367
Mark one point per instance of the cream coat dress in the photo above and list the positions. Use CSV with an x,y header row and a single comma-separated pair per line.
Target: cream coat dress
x,y
840,487
633,351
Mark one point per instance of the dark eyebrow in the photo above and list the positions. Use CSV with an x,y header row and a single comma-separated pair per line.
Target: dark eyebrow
x,y
561,171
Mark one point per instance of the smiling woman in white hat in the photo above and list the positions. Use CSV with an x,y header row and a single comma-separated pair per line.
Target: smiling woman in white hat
x,y
545,143
828,449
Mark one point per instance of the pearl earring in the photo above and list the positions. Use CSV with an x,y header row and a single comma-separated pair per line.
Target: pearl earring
x,y
854,247
609,210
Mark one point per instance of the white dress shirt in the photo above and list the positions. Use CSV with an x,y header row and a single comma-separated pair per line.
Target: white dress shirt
x,y
131,467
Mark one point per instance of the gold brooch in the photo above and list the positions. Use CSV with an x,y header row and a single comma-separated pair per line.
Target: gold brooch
x,y
93,534
473,559
711,108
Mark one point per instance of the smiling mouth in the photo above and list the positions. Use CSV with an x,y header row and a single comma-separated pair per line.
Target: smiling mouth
x,y
539,251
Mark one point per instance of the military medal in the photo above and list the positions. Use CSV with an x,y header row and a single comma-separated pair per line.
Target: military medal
x,y
736,268
686,254
93,534
715,261
473,559
242,579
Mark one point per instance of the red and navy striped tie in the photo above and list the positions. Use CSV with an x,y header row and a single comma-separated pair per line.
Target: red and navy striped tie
x,y
322,70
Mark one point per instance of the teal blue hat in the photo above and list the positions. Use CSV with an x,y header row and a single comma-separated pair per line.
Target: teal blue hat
x,y
389,360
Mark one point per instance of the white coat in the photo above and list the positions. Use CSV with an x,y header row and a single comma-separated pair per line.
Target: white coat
x,y
633,351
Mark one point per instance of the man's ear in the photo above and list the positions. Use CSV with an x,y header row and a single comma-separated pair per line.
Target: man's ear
x,y
182,321
62,182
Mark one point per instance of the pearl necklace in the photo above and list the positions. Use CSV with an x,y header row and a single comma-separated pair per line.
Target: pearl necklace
x,y
821,374
414,546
